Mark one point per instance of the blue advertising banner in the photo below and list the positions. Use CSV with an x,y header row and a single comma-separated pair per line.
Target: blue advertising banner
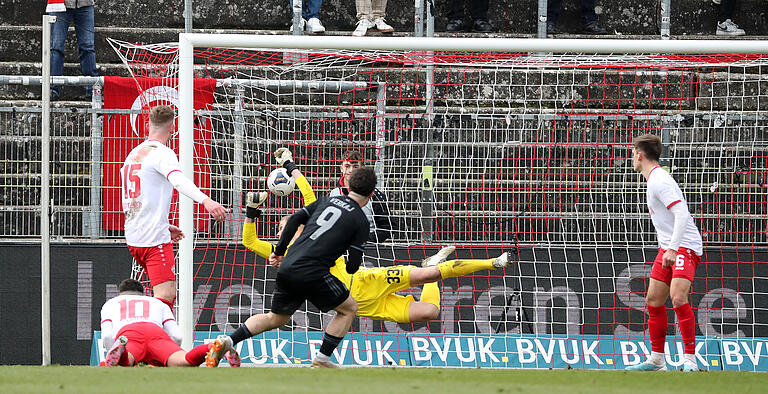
x,y
284,348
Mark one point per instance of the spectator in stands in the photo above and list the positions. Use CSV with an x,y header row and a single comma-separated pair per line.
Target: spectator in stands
x,y
310,21
376,210
370,17
725,26
79,13
478,10
589,18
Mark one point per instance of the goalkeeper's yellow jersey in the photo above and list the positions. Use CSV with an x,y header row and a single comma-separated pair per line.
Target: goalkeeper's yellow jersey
x,y
264,248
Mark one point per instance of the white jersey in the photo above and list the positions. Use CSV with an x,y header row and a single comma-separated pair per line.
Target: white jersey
x,y
663,193
127,309
146,193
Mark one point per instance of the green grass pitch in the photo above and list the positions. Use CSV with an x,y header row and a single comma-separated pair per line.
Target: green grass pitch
x,y
81,380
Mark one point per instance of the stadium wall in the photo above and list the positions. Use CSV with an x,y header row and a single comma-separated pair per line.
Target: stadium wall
x,y
564,293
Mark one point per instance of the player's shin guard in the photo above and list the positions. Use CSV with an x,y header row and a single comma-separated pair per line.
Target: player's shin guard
x,y
657,327
687,327
196,356
242,333
431,293
455,268
329,344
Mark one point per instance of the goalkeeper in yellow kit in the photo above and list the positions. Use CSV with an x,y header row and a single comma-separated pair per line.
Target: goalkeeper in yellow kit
x,y
373,288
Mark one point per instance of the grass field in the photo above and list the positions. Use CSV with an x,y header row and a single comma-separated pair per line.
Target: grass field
x,y
65,379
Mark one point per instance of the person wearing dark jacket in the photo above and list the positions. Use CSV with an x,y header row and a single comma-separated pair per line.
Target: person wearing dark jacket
x,y
376,210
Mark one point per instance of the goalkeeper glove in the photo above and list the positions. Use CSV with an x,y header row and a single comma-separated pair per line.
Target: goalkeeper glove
x,y
285,158
252,202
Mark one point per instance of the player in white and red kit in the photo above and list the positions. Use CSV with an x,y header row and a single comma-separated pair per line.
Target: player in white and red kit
x,y
147,178
680,248
140,329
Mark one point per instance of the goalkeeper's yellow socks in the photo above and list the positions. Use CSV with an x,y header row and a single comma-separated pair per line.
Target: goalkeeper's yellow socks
x,y
431,293
454,268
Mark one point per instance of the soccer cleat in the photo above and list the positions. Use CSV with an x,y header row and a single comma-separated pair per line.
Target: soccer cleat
x,y
254,199
502,261
363,25
324,364
382,26
314,26
219,347
438,257
233,358
728,28
646,366
689,366
115,352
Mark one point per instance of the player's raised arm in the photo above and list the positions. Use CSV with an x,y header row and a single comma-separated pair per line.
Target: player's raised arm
x,y
252,212
285,158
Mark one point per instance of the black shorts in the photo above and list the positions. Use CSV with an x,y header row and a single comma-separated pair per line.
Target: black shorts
x,y
325,292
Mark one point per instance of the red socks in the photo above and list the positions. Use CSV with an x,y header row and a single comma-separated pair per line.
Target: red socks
x,y
687,327
657,326
196,356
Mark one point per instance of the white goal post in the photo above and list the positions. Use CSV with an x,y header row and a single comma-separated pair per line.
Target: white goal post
x,y
189,41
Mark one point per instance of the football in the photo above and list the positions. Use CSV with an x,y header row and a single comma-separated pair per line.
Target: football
x,y
280,183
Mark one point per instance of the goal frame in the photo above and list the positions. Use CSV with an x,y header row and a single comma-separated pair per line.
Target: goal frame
x,y
189,41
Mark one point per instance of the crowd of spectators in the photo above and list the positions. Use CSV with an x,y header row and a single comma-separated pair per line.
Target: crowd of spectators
x,y
370,18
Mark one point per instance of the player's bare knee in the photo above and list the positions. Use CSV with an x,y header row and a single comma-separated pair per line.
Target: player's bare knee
x,y
276,321
679,299
349,307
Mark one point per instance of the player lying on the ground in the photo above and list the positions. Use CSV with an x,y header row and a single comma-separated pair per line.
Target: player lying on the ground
x,y
374,288
144,327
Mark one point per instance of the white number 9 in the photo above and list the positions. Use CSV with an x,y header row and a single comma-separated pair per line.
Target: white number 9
x,y
326,220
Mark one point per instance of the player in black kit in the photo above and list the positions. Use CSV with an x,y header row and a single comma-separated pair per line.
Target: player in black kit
x,y
333,225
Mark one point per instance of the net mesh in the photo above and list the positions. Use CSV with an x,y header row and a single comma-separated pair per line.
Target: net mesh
x,y
517,152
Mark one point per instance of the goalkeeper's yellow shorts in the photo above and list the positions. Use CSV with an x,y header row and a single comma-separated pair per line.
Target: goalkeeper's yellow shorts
x,y
373,290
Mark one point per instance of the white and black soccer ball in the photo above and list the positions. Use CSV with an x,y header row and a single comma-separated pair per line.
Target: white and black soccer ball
x,y
280,183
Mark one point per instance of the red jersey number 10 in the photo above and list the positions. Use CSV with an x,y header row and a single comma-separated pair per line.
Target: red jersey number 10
x,y
134,309
131,181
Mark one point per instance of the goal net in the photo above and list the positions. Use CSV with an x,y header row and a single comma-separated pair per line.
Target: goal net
x,y
526,153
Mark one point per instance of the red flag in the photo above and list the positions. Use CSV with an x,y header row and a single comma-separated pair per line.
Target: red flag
x,y
56,6
123,132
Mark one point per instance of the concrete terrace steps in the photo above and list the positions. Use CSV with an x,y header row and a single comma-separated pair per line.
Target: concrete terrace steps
x,y
508,16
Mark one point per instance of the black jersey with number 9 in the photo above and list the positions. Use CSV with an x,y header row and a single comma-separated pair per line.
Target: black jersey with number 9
x,y
335,224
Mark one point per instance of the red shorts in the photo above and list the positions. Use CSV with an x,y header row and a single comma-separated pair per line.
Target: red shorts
x,y
684,267
148,343
157,261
